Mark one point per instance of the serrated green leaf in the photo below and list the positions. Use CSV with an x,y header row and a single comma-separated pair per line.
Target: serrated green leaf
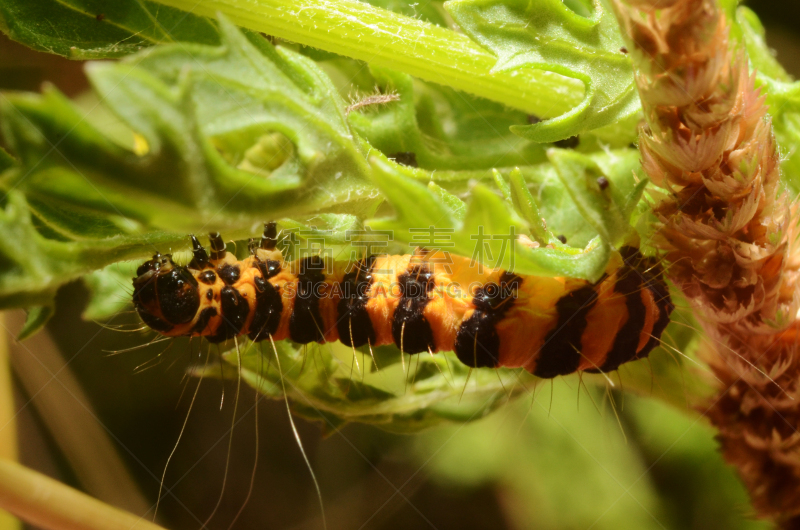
x,y
92,190
325,384
555,204
546,34
444,128
93,29
415,205
601,207
66,221
34,265
420,49
183,182
489,224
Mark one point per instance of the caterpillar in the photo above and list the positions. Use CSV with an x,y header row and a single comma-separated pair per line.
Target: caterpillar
x,y
419,302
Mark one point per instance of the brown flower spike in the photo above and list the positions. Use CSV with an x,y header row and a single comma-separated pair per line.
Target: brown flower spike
x,y
727,231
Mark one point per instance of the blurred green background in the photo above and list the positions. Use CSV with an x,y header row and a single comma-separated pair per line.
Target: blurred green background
x,y
559,461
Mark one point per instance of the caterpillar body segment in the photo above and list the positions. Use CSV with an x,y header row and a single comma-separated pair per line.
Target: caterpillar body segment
x,y
421,302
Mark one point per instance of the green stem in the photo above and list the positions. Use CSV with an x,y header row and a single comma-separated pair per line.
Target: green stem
x,y
381,37
8,423
47,503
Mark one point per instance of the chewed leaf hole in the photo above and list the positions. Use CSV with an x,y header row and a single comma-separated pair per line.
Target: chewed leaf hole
x,y
269,153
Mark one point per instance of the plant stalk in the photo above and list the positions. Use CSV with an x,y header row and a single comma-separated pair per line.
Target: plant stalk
x,y
8,426
728,232
47,503
378,36
68,415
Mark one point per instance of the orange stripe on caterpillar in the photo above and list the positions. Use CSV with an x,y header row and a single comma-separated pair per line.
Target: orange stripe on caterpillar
x,y
421,302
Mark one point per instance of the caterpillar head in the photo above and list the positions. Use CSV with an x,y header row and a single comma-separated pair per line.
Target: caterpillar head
x,y
165,294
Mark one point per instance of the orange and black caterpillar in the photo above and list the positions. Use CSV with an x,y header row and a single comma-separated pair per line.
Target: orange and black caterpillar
x,y
419,302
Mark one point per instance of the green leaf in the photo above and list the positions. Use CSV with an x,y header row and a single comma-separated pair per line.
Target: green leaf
x,y
606,208
274,143
170,96
89,29
111,290
556,205
428,11
35,265
444,128
438,54
782,93
456,207
327,383
761,56
501,184
426,51
484,233
548,35
36,319
526,206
